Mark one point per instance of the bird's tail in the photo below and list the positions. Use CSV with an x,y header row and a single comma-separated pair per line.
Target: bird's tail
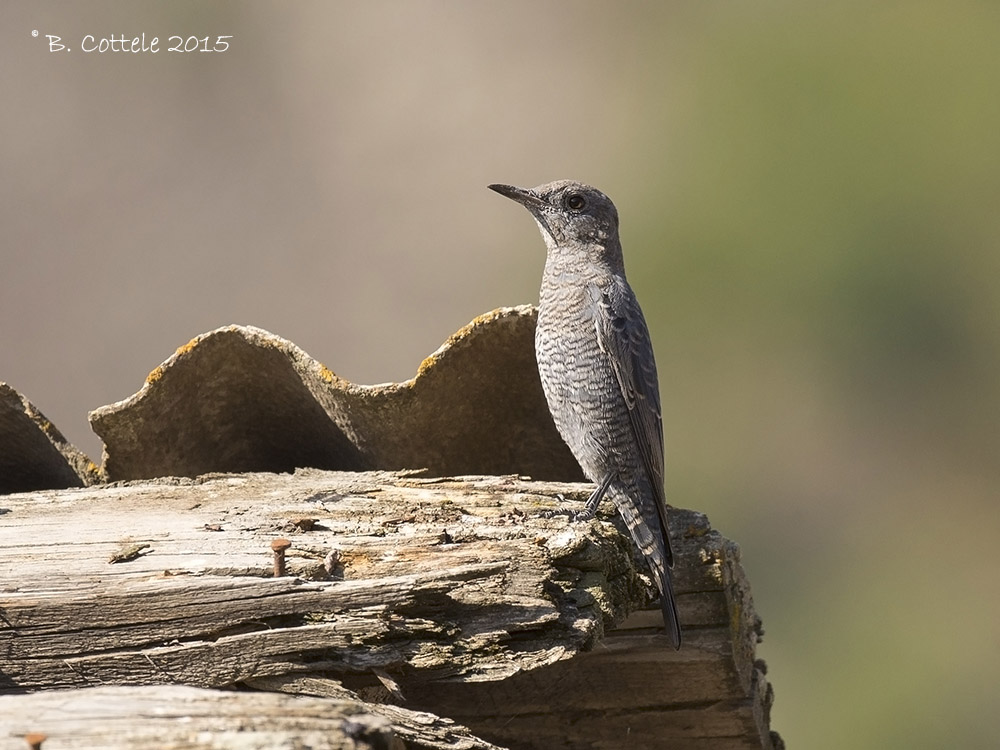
x,y
652,542
668,603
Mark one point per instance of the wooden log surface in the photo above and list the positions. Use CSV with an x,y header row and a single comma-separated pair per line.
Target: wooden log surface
x,y
474,596
175,716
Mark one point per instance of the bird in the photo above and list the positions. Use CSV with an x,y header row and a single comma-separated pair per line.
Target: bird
x,y
595,361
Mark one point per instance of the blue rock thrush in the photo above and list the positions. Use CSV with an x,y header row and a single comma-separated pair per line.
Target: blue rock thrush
x,y
596,364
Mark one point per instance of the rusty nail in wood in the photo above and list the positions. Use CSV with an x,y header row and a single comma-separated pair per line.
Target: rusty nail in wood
x,y
35,740
279,546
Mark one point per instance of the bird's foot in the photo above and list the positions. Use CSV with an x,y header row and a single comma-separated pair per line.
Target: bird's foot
x,y
556,512
589,511
574,516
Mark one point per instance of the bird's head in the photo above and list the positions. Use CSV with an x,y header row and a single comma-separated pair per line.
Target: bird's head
x,y
573,217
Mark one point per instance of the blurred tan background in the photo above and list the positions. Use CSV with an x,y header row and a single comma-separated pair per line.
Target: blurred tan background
x,y
809,202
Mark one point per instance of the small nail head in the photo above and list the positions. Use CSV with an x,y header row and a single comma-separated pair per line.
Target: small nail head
x,y
35,740
280,545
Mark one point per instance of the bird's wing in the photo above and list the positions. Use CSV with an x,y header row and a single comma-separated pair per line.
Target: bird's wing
x,y
623,336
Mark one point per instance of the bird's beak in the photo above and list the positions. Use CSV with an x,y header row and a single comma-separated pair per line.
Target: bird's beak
x,y
527,198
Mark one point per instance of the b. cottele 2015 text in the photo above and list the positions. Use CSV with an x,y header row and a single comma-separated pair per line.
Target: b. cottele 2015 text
x,y
140,44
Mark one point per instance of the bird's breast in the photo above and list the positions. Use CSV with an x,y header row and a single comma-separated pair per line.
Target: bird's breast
x,y
578,380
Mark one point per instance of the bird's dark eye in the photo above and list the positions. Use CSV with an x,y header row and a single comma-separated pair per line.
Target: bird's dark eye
x,y
575,201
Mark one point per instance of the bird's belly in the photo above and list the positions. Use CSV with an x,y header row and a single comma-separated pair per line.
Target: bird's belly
x,y
583,395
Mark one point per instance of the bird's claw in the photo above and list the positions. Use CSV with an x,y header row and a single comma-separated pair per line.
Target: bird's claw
x,y
555,513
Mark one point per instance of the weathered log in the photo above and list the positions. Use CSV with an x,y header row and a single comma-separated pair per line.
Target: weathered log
x,y
156,717
470,594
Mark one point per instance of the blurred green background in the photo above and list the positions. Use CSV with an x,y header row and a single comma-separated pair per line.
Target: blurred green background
x,y
809,202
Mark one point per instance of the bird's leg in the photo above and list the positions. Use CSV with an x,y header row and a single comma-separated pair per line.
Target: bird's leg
x,y
595,499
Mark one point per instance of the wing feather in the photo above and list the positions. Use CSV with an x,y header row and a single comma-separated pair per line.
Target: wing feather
x,y
622,334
